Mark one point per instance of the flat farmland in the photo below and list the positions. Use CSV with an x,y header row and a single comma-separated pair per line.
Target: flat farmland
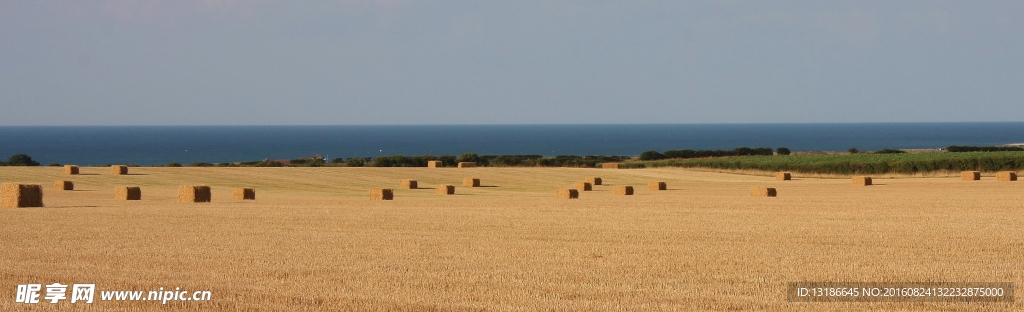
x,y
313,240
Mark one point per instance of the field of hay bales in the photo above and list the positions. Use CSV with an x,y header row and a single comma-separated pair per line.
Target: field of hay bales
x,y
314,240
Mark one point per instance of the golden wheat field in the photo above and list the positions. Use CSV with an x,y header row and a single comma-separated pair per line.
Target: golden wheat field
x,y
313,240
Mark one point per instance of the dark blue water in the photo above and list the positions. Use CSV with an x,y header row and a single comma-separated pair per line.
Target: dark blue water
x,y
151,145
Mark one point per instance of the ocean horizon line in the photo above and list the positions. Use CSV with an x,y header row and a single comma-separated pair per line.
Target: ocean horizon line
x,y
152,145
542,124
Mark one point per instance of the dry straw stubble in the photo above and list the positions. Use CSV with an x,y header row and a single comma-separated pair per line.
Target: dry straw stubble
x,y
623,190
244,193
127,193
657,186
763,192
382,194
70,169
568,194
14,195
194,194
62,185
970,175
445,189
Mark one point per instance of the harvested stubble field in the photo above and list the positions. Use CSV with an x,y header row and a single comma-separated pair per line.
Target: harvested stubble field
x,y
313,239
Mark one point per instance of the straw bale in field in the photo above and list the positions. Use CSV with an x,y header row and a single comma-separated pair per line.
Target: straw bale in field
x,y
657,186
623,190
1006,176
610,165
568,194
970,175
382,194
471,182
467,164
118,169
445,189
861,181
434,164
62,185
127,193
408,184
244,193
70,169
194,194
14,195
583,186
783,176
763,192
593,180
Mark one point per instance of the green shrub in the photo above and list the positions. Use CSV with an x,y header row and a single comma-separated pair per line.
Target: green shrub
x,y
355,162
468,157
960,149
651,155
21,160
889,151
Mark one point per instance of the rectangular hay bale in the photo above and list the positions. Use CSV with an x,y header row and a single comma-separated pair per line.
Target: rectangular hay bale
x,y
127,193
445,189
763,192
194,194
382,194
623,190
1006,176
467,164
970,175
861,181
783,176
70,169
610,166
119,169
62,185
14,195
408,184
244,193
434,164
583,186
568,194
657,186
593,180
471,182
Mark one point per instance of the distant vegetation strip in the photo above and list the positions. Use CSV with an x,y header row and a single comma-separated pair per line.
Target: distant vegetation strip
x,y
389,161
982,158
874,163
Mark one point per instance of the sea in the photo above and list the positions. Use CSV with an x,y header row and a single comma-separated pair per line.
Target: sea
x,y
158,145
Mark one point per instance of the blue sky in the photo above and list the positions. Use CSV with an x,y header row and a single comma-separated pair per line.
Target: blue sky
x,y
508,62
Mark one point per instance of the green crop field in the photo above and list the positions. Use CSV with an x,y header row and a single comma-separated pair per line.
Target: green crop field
x,y
907,163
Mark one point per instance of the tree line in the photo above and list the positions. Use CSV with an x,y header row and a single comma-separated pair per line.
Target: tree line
x,y
687,153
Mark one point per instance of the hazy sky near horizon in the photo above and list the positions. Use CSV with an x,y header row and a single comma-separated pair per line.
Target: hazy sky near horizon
x,y
124,62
